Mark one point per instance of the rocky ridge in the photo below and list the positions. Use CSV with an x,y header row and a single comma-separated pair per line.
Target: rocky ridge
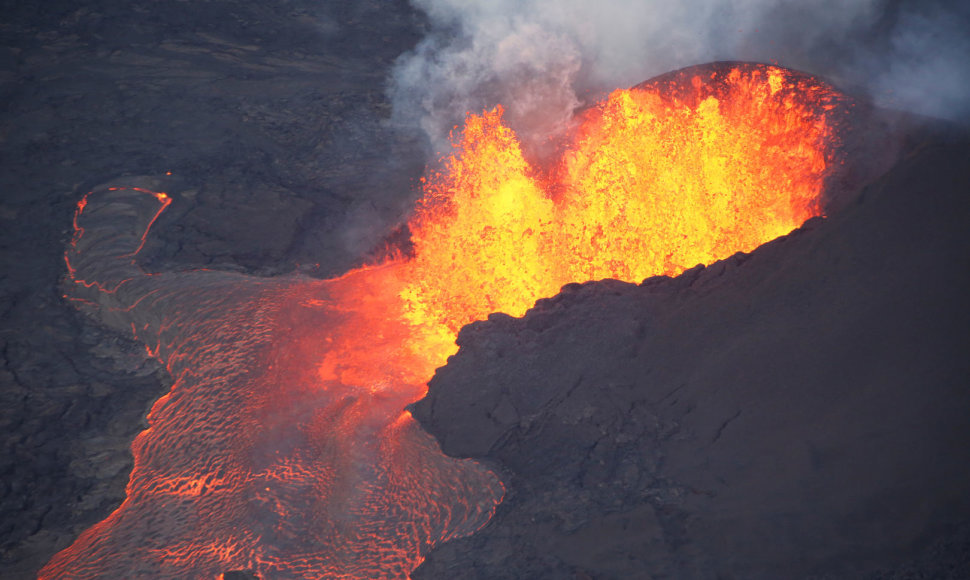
x,y
797,412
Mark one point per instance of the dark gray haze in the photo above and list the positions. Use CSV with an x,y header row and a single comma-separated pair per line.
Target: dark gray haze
x,y
543,58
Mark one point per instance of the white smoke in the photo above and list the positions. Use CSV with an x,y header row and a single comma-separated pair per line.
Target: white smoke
x,y
543,58
929,68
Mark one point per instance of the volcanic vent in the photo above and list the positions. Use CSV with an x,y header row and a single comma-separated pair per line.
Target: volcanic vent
x,y
284,446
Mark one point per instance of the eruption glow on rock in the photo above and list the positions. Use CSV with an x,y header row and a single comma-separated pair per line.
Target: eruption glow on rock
x,y
283,447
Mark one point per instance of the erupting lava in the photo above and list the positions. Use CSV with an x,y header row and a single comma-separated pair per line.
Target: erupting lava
x,y
283,447
684,170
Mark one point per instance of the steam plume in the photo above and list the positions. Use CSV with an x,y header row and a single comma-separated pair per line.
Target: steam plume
x,y
543,58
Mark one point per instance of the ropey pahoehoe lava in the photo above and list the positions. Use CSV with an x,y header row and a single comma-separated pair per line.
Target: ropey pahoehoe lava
x,y
283,446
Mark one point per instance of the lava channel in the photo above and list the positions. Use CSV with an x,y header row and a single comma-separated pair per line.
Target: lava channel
x,y
283,446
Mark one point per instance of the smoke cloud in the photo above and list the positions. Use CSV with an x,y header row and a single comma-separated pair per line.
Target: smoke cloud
x,y
543,58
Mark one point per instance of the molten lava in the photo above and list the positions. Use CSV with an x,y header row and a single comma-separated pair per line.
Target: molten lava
x,y
283,447
685,170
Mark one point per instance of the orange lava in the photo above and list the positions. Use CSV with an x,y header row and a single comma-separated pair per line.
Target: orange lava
x,y
283,447
654,180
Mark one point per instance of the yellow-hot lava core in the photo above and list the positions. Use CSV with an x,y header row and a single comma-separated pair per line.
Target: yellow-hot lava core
x,y
654,180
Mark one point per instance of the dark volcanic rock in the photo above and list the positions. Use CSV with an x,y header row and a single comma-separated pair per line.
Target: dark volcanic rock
x,y
797,412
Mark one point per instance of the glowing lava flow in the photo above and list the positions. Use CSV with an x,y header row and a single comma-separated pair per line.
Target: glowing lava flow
x,y
282,446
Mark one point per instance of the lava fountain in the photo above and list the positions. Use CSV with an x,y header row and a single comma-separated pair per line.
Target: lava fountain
x,y
283,446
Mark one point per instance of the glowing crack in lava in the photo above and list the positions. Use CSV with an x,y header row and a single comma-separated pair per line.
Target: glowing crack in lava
x,y
283,446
